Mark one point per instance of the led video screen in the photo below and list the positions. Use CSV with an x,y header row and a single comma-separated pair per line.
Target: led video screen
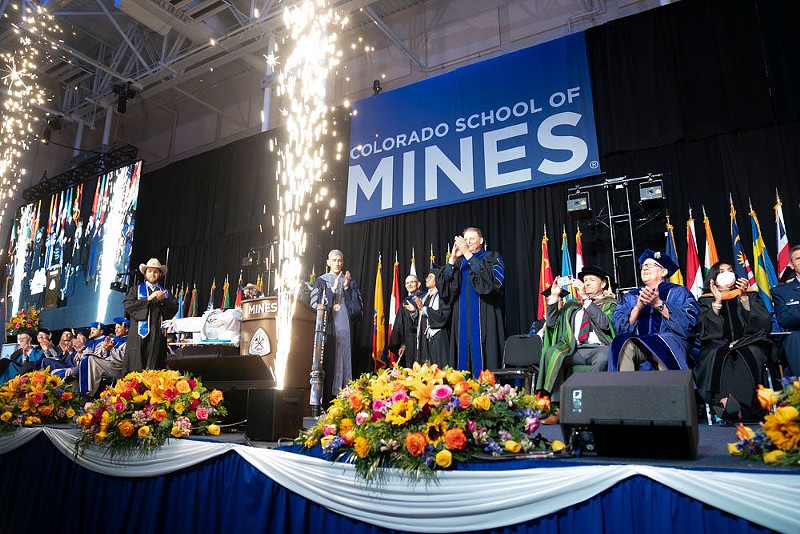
x,y
65,252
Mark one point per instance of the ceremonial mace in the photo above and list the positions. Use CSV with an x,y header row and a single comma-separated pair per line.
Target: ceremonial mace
x,y
317,372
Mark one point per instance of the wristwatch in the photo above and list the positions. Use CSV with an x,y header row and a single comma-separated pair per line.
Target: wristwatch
x,y
660,307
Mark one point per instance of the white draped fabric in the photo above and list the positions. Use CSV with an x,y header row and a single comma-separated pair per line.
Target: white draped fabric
x,y
455,500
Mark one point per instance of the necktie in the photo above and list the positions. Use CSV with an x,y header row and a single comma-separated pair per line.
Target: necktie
x,y
586,327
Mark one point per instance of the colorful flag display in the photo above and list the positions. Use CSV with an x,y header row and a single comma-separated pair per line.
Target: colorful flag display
x,y
239,292
764,270
783,239
578,252
711,256
193,304
211,295
226,295
741,263
566,262
413,269
394,302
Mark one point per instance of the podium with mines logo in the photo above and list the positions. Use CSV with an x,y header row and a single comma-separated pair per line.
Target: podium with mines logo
x,y
247,376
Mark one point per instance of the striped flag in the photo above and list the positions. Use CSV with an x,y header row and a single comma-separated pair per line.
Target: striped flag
x,y
394,302
783,240
378,324
578,251
764,271
545,277
694,275
239,292
711,256
741,263
671,250
226,298
211,294
566,262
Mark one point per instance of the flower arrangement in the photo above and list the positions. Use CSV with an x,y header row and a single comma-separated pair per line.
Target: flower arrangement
x,y
143,409
25,319
778,439
36,398
425,418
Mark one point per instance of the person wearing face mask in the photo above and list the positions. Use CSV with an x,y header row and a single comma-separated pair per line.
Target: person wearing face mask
x,y
655,323
472,284
339,294
734,342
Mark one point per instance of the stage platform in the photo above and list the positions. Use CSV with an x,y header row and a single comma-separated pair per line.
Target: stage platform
x,y
231,485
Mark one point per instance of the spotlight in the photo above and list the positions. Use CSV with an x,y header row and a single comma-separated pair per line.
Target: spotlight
x,y
651,191
376,87
125,93
578,204
253,258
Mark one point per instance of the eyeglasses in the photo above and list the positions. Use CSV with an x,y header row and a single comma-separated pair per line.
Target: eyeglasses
x,y
650,266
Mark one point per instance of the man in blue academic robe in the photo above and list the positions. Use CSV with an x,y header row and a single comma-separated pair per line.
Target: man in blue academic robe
x,y
655,323
472,283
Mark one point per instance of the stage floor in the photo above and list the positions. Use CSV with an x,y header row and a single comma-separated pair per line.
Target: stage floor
x,y
712,450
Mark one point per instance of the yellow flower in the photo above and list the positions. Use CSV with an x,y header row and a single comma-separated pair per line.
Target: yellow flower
x,y
32,420
54,380
126,428
513,446
400,413
743,432
183,386
435,429
213,429
335,412
100,436
444,458
766,397
195,394
346,425
454,376
786,414
177,432
70,413
5,417
733,450
361,446
326,439
482,403
178,407
144,431
310,441
773,456
557,446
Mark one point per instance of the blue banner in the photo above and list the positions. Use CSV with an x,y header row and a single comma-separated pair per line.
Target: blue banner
x,y
521,120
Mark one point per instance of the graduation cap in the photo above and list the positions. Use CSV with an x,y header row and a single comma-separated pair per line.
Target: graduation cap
x,y
598,272
661,258
123,321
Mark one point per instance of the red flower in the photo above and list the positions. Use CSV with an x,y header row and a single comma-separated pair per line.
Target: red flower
x,y
193,404
171,394
192,382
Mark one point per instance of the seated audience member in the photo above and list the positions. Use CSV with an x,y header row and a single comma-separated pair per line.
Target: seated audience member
x,y
172,347
734,342
79,352
96,335
21,361
654,323
107,361
121,326
580,331
46,347
404,330
64,357
65,342
786,298
433,332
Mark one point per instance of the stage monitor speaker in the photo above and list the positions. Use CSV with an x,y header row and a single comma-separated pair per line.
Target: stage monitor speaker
x,y
274,413
631,414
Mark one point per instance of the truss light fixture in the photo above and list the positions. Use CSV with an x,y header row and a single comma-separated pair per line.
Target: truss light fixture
x,y
124,93
376,87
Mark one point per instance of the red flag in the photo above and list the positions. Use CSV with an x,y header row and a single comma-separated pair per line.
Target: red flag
x,y
783,240
694,275
239,292
578,252
545,277
394,304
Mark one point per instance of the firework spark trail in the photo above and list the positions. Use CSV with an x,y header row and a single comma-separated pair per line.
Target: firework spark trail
x,y
301,85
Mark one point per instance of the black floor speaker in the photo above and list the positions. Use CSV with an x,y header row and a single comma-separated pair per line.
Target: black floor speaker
x,y
631,414
273,414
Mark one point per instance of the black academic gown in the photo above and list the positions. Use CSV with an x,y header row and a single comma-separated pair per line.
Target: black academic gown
x,y
486,276
404,332
435,348
149,352
736,370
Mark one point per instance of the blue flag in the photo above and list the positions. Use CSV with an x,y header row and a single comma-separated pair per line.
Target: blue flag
x,y
740,262
764,270
566,263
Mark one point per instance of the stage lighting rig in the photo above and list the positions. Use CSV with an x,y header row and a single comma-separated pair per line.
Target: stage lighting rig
x,y
578,204
376,87
125,93
651,192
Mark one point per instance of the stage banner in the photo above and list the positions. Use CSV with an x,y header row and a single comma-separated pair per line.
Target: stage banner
x,y
521,120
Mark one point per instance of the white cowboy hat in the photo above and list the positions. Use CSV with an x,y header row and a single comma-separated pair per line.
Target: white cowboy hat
x,y
155,264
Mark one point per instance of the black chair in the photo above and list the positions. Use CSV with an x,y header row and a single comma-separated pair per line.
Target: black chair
x,y
521,355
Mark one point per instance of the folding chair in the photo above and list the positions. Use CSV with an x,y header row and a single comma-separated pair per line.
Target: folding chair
x,y
521,355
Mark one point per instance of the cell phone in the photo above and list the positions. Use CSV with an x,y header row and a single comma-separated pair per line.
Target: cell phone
x,y
565,281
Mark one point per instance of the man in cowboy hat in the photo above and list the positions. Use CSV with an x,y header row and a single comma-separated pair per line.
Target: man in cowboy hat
x,y
655,323
147,304
580,332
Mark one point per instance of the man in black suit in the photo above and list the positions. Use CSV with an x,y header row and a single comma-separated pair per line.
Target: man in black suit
x,y
786,298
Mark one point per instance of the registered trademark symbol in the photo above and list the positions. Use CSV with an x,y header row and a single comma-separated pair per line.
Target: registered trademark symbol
x,y
594,164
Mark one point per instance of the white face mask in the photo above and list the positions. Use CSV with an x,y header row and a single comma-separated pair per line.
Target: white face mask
x,y
726,279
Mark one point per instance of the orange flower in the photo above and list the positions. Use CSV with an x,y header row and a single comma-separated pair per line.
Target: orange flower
x,y
126,428
356,402
361,446
461,388
785,437
67,395
183,386
766,397
349,437
455,439
415,443
345,426
743,432
487,377
464,400
215,397
159,415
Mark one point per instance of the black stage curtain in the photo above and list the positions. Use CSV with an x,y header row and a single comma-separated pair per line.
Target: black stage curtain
x,y
706,92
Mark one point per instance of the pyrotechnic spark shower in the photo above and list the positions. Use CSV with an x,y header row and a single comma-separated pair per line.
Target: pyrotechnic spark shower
x,y
310,56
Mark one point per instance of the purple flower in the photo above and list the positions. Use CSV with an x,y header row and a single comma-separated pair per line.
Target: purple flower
x,y
471,426
531,424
